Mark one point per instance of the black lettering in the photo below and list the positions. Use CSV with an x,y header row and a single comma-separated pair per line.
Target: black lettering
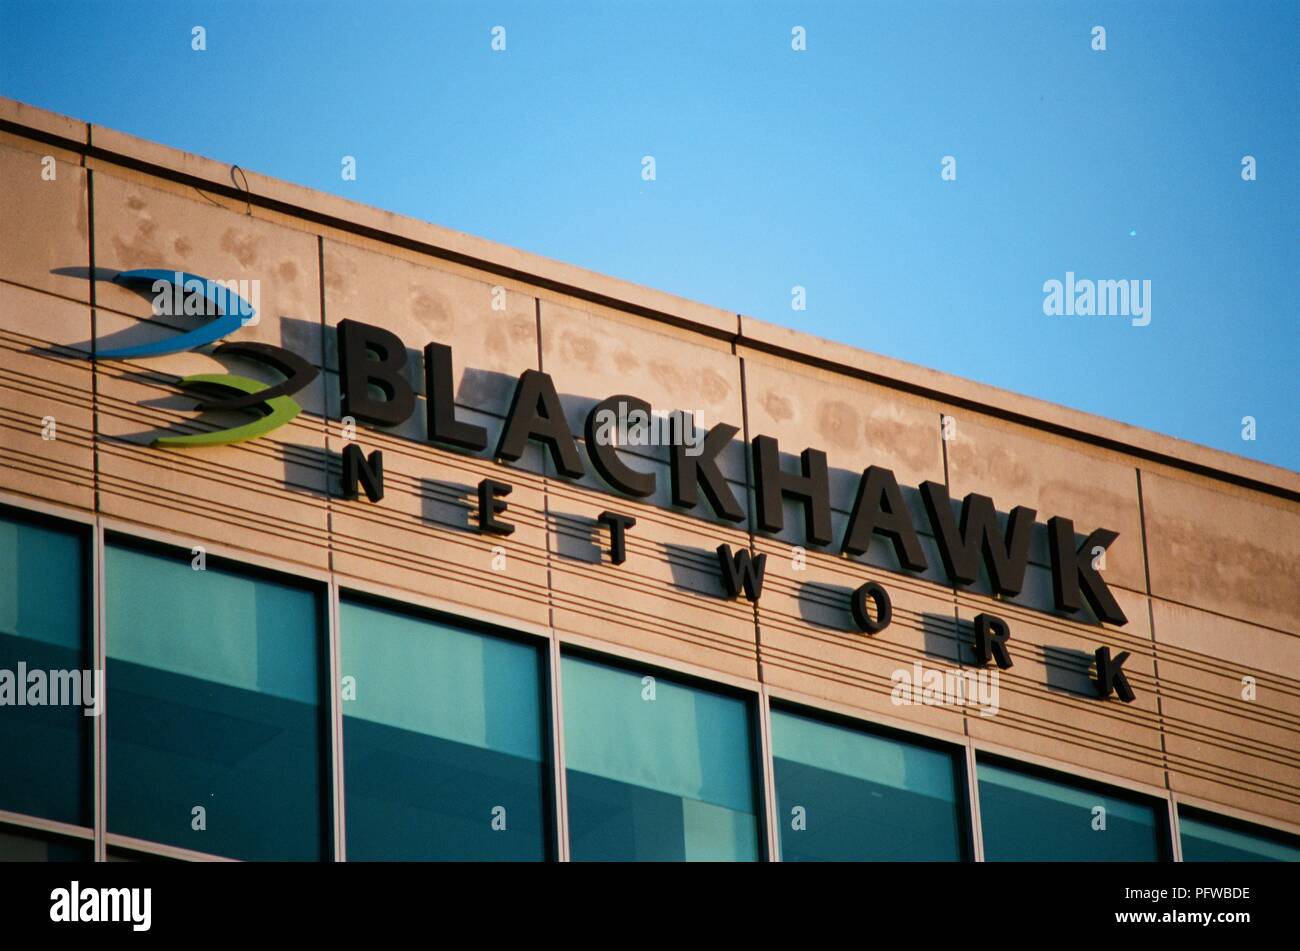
x,y
691,473
741,572
491,504
386,370
536,413
812,488
1110,675
1072,571
605,457
442,425
979,533
884,608
991,636
618,526
369,473
879,507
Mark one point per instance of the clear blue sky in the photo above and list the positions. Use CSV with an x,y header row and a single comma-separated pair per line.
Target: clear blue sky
x,y
775,168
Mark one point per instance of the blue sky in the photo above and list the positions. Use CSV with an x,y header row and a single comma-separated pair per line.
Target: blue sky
x,y
778,168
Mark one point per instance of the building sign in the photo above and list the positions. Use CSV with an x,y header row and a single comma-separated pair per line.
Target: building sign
x,y
375,389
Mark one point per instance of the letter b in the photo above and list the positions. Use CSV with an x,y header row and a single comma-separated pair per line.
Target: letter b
x,y
373,357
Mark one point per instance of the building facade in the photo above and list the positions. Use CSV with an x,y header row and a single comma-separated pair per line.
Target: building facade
x,y
329,534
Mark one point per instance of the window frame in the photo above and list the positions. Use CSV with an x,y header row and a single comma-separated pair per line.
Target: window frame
x,y
754,719
546,676
1159,805
955,751
84,532
112,536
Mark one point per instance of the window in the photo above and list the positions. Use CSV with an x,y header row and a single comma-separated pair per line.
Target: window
x,y
1207,838
25,845
444,740
656,769
216,739
45,621
131,855
848,795
1031,816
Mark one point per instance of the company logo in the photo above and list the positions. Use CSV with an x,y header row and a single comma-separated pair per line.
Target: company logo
x,y
182,294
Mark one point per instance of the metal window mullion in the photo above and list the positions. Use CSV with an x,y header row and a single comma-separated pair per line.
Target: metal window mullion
x,y
99,657
22,820
973,804
561,795
768,766
336,721
1175,834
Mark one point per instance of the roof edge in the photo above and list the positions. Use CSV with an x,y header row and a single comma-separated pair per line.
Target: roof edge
x,y
128,151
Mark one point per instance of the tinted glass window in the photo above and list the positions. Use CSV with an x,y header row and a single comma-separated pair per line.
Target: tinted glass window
x,y
444,738
1207,839
216,739
1029,817
46,687
24,845
847,795
656,770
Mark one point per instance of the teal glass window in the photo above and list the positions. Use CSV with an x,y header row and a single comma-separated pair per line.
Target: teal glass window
x,y
1031,816
1207,838
45,621
656,770
844,794
216,735
444,740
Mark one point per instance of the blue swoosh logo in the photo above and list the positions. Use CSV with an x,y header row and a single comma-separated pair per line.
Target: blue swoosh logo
x,y
232,309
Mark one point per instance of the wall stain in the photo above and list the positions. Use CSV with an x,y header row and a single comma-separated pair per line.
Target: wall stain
x,y
1190,562
668,376
243,247
495,338
777,406
578,349
917,446
432,313
838,424
141,246
714,387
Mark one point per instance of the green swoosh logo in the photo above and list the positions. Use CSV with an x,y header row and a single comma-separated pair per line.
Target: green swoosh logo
x,y
282,409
